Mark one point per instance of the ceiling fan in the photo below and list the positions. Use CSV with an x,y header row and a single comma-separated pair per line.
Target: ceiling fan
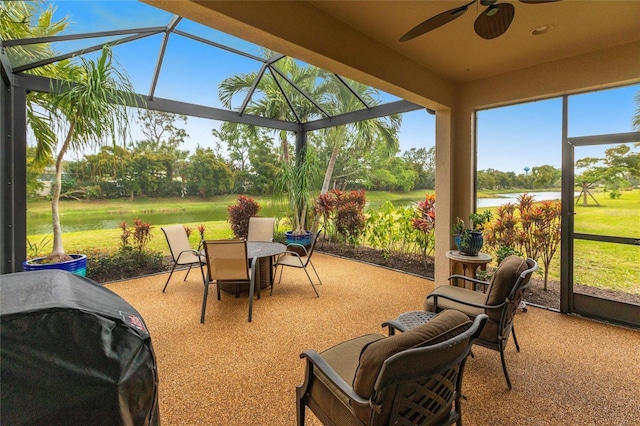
x,y
491,23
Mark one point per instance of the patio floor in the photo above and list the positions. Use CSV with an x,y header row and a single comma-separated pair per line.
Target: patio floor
x,y
227,371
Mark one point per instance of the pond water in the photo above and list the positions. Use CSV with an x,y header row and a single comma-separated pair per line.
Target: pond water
x,y
513,198
41,224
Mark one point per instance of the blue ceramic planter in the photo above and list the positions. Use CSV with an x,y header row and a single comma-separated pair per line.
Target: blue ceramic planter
x,y
77,265
473,247
302,239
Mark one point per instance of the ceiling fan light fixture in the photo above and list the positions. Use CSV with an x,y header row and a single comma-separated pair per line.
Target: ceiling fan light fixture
x,y
542,29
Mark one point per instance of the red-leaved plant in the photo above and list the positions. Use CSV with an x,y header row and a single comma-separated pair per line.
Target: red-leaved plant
x,y
240,213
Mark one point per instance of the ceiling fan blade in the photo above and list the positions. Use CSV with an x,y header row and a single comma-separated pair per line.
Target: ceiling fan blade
x,y
435,22
494,21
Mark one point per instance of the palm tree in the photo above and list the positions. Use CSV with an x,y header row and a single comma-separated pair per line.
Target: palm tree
x,y
20,20
93,109
363,134
270,101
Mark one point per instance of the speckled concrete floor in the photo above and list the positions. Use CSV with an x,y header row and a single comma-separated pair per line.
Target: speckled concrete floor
x,y
570,371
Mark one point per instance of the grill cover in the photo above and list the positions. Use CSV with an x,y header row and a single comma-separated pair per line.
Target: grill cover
x,y
73,352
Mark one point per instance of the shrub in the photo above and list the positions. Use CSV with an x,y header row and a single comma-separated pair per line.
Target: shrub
x,y
425,224
535,232
105,265
240,213
130,260
349,218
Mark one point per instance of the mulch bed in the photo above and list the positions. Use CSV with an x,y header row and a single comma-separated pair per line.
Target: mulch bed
x,y
414,264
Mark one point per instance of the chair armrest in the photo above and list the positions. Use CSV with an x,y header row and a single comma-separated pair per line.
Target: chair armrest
x,y
288,253
394,325
463,302
194,252
473,280
314,360
306,253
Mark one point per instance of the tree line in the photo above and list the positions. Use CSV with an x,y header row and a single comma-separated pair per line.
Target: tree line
x,y
246,160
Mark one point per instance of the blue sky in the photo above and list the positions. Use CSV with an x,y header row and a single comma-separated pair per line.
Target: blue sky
x,y
509,138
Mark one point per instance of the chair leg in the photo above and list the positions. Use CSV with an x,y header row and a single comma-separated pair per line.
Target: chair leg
x,y
300,411
189,270
204,301
513,332
252,284
202,272
273,278
504,365
311,281
167,283
314,270
281,269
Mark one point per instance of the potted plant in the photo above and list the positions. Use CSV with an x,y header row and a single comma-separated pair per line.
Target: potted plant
x,y
470,240
297,180
92,105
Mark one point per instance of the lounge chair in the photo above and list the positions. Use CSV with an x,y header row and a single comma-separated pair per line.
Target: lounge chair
x,y
500,302
407,379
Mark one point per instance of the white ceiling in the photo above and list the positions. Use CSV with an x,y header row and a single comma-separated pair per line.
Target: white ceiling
x,y
457,54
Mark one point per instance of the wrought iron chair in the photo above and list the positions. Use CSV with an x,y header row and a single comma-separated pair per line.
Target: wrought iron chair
x,y
227,263
503,296
181,251
298,256
413,378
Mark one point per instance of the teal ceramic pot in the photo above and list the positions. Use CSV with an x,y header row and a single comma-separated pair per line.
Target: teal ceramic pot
x,y
77,265
474,245
302,239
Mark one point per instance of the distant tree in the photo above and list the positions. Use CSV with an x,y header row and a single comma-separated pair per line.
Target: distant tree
x,y
545,176
423,162
238,139
485,179
207,175
35,169
391,174
618,164
159,127
265,166
635,122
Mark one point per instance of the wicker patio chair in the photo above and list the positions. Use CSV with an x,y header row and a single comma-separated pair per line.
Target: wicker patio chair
x,y
181,251
227,263
413,378
500,302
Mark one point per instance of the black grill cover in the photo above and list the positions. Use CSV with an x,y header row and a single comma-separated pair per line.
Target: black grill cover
x,y
73,352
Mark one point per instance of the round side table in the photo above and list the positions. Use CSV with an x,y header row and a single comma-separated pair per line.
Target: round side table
x,y
469,264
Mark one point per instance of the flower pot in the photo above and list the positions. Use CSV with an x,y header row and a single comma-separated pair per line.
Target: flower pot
x,y
302,239
473,246
77,265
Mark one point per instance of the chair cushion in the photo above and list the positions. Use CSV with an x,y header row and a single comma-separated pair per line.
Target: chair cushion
x,y
446,325
458,293
502,283
343,358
